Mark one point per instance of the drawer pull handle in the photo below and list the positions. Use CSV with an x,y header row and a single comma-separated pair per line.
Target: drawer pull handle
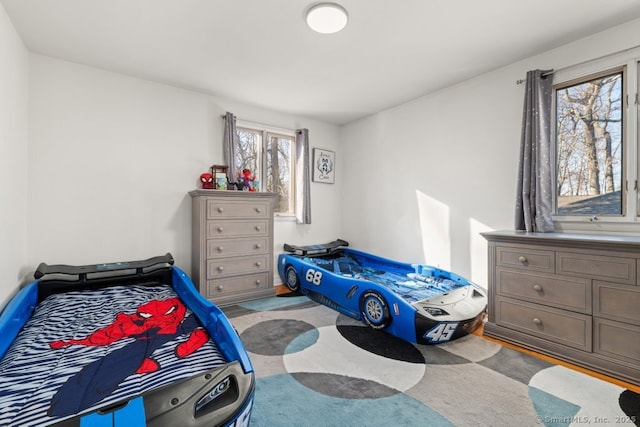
x,y
258,210
220,268
220,248
258,282
522,259
258,246
220,287
258,264
220,229
220,210
257,228
537,288
537,321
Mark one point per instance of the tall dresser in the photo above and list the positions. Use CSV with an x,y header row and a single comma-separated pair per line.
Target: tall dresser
x,y
232,245
572,296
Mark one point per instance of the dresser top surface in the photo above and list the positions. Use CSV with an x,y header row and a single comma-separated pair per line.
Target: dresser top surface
x,y
562,238
231,194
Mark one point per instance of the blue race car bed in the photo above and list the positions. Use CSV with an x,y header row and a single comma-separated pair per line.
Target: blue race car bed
x,y
121,344
418,303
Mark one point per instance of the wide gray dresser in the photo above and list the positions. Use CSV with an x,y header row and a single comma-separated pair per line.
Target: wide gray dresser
x,y
572,296
232,245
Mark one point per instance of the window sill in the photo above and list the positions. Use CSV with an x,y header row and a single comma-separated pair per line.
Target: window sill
x,y
600,226
284,217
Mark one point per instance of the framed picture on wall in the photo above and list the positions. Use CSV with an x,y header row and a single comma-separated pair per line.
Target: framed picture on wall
x,y
324,166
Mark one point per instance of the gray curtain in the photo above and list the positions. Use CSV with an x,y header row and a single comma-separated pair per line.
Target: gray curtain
x,y
229,143
534,201
303,182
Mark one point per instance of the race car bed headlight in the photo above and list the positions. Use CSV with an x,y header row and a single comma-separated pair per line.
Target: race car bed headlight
x,y
434,311
223,393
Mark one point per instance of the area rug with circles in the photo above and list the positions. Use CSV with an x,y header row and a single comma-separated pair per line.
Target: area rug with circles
x,y
317,367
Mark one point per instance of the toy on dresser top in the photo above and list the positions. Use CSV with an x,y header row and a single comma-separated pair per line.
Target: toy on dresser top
x,y
246,181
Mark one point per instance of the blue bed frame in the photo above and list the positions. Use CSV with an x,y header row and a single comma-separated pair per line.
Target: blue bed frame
x,y
132,413
415,302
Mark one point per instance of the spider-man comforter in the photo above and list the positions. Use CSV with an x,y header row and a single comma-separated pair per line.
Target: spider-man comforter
x,y
84,349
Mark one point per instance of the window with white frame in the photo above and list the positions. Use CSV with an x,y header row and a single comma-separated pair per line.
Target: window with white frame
x,y
270,155
596,140
590,145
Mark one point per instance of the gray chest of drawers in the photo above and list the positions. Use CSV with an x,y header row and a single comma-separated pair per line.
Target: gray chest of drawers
x,y
232,245
572,296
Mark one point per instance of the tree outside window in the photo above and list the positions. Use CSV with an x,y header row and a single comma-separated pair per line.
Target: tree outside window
x,y
269,156
247,155
589,145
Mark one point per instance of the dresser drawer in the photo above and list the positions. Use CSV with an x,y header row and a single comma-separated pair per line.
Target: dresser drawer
x,y
618,340
229,209
619,269
572,293
217,248
526,258
238,284
220,267
617,302
564,327
216,229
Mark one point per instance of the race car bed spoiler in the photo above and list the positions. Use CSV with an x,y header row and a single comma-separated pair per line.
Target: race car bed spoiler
x,y
320,249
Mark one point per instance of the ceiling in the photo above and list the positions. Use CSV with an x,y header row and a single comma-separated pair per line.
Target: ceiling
x,y
261,53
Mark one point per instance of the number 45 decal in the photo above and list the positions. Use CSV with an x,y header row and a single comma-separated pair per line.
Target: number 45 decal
x,y
441,332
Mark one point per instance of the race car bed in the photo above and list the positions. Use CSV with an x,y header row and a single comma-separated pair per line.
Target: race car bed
x,y
121,344
418,303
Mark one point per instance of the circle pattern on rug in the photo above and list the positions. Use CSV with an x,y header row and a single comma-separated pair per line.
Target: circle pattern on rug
x,y
272,337
302,341
333,378
333,360
343,386
387,345
381,343
281,397
630,405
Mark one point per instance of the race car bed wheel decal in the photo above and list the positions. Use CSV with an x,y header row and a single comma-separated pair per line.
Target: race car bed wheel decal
x,y
292,279
375,310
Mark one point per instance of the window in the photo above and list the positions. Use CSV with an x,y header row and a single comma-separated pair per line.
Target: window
x,y
590,145
597,144
269,155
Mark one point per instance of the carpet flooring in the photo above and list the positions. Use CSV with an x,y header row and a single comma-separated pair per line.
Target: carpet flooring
x,y
316,367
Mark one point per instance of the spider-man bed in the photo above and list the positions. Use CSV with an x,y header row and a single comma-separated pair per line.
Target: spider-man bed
x,y
121,344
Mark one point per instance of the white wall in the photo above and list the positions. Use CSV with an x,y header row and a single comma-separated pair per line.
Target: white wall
x,y
425,178
14,95
112,159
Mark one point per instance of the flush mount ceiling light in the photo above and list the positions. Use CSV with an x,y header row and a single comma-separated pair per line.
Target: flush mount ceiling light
x,y
327,18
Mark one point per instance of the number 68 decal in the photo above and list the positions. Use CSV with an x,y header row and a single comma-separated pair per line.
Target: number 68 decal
x,y
314,276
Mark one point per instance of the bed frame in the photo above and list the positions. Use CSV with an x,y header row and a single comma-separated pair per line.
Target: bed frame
x,y
221,396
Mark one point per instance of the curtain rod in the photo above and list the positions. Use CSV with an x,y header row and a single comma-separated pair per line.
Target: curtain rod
x,y
547,73
264,126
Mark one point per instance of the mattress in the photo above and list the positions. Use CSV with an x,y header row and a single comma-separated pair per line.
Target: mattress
x,y
81,350
409,285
